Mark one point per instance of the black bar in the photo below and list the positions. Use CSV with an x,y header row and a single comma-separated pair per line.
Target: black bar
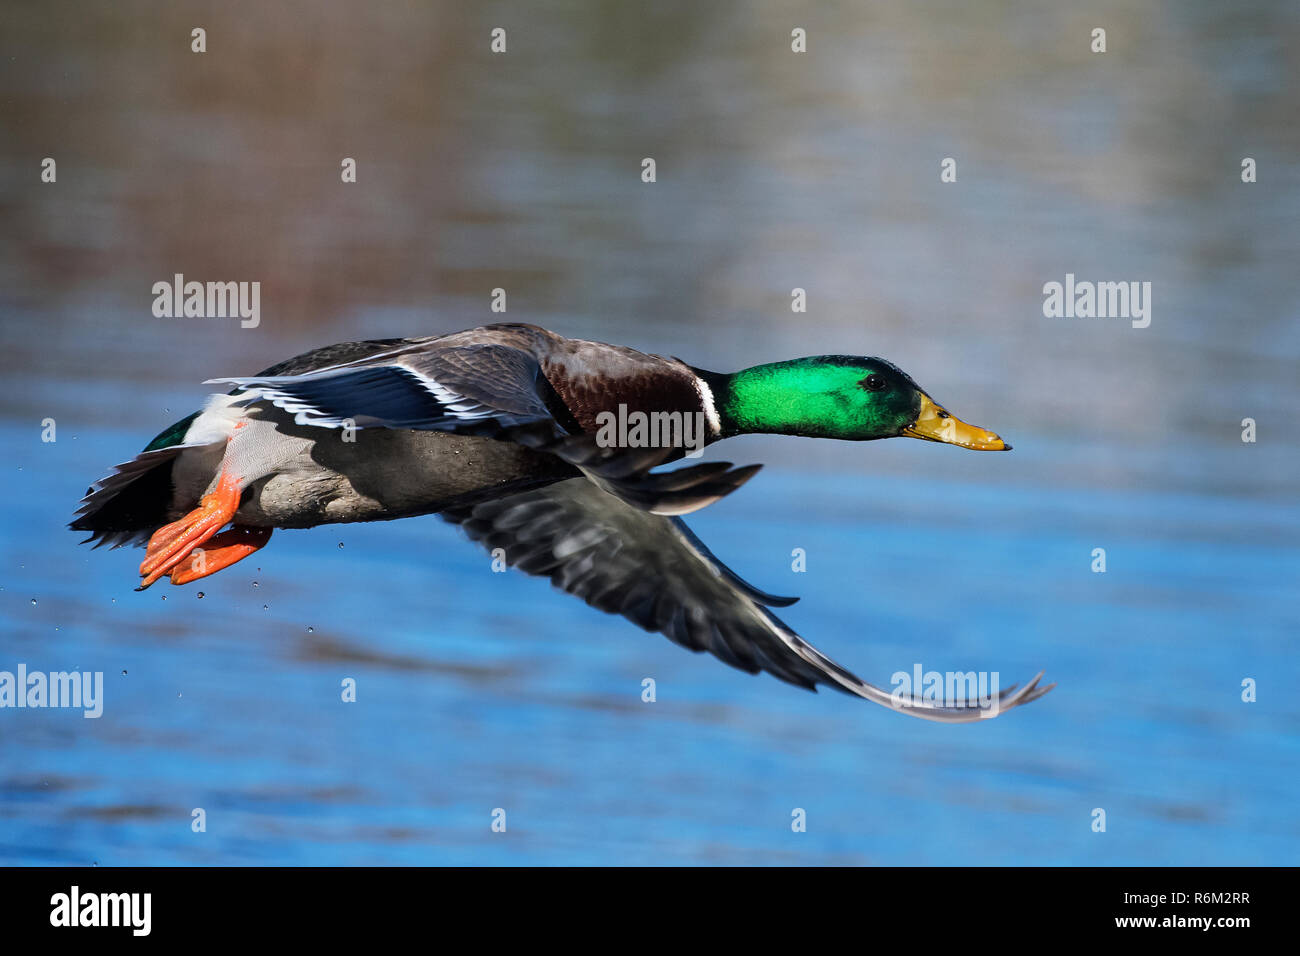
x,y
930,907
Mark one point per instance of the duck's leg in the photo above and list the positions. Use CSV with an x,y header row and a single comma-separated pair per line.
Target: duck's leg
x,y
172,542
220,551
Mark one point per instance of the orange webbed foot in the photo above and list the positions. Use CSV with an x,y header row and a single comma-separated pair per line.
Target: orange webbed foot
x,y
221,551
171,543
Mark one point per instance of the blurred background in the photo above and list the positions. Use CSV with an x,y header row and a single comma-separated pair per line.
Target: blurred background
x,y
776,170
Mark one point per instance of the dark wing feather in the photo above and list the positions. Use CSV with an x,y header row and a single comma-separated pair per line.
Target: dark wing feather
x,y
337,354
656,573
495,391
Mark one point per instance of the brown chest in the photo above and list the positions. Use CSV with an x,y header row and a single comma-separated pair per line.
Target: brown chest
x,y
659,391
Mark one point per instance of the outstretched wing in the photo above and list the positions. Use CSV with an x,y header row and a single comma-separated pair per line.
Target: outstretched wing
x,y
495,391
657,574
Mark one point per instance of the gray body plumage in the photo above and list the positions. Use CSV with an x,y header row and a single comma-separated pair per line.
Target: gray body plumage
x,y
313,476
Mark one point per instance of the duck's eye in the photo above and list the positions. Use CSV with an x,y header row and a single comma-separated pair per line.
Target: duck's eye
x,y
873,383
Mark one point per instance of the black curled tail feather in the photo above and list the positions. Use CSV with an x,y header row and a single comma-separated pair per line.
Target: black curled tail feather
x,y
129,503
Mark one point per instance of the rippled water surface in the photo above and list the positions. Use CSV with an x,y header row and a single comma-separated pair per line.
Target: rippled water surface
x,y
820,171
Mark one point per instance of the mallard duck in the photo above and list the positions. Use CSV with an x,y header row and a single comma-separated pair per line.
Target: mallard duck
x,y
513,433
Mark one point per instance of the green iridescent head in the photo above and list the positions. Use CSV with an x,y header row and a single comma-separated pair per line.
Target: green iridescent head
x,y
850,397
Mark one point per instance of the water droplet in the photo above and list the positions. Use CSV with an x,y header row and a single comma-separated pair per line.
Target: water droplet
x,y
340,545
256,585
96,863
200,595
179,696
164,597
33,602
310,629
123,671
265,606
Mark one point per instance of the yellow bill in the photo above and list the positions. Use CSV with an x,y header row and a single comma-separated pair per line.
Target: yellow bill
x,y
936,423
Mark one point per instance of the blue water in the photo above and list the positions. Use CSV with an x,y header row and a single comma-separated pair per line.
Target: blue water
x,y
477,690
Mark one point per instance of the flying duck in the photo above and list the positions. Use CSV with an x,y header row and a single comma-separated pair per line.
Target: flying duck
x,y
539,445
